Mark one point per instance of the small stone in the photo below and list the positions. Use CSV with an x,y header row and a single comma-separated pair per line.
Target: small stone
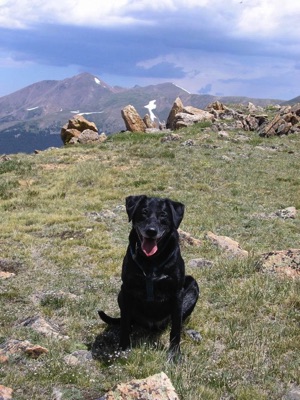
x,y
200,263
5,393
196,336
6,275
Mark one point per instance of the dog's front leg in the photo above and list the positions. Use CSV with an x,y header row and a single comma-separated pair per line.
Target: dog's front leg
x,y
176,321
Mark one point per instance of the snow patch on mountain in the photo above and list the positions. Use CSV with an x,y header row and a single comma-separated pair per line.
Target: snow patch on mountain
x,y
33,108
182,88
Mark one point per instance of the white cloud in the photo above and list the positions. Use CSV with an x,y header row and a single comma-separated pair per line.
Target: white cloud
x,y
241,17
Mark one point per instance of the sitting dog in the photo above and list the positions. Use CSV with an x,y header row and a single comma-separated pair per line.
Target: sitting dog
x,y
155,290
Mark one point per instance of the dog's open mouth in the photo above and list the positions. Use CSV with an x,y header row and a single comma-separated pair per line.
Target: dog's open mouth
x,y
149,246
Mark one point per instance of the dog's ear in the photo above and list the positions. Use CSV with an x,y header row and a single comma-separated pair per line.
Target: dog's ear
x,y
132,203
177,210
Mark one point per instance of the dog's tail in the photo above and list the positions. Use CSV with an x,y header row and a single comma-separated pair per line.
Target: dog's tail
x,y
109,320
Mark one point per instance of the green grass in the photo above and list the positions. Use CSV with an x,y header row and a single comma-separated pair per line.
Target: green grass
x,y
69,262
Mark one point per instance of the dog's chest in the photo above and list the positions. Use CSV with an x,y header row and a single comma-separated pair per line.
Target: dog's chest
x,y
149,285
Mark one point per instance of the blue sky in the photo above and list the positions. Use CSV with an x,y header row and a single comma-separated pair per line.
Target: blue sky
x,y
234,47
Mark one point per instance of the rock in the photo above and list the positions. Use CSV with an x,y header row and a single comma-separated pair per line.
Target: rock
x,y
148,122
188,143
173,137
285,262
196,336
225,243
223,135
74,128
5,393
155,387
43,327
184,119
217,106
81,124
12,346
186,237
89,136
176,108
286,213
286,121
78,357
6,275
133,121
293,394
200,263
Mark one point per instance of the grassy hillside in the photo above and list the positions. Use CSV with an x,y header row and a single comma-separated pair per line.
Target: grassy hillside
x,y
64,232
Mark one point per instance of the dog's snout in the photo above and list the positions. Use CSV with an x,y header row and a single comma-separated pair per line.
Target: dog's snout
x,y
151,232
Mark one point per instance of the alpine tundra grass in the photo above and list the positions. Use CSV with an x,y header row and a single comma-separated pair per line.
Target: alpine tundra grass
x,y
64,233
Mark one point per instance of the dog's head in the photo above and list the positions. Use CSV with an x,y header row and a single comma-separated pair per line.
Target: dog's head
x,y
153,218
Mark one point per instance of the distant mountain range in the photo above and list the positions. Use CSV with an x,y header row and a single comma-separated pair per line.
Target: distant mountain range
x,y
32,117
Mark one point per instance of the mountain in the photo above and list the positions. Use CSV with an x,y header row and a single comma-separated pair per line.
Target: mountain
x,y
32,117
291,102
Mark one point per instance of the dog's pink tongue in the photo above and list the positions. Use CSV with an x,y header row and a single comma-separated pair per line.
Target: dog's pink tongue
x,y
149,246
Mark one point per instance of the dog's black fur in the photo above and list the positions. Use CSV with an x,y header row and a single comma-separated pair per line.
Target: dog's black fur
x,y
155,289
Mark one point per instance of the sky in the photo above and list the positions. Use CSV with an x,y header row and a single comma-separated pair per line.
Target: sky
x,y
225,48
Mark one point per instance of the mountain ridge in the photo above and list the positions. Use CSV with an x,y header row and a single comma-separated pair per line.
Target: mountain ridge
x,y
32,117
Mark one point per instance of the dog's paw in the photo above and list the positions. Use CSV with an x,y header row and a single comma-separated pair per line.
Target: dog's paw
x,y
174,355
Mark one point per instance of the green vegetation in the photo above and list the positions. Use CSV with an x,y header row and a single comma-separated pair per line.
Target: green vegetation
x,y
64,225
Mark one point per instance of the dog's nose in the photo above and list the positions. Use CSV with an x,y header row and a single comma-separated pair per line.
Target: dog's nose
x,y
151,232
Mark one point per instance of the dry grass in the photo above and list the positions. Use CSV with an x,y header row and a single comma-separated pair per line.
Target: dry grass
x,y
64,226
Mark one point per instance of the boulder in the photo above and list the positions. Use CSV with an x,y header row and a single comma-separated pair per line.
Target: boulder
x,y
80,123
176,108
79,130
89,136
148,122
133,121
155,387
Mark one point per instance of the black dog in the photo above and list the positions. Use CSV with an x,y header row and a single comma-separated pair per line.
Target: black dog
x,y
155,289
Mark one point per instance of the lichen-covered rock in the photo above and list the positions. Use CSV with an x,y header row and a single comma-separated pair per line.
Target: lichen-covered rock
x,y
285,262
155,387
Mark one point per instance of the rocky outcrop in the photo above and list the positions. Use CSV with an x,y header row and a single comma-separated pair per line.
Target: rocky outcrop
x,y
285,122
181,117
80,130
133,121
239,120
155,387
